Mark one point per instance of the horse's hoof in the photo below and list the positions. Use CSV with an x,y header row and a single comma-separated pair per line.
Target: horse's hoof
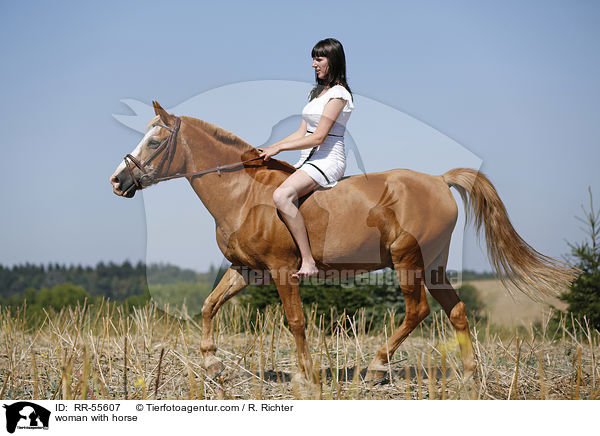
x,y
469,375
470,369
376,373
377,377
305,387
213,366
299,378
303,379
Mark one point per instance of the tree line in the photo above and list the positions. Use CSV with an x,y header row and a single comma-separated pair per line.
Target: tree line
x,y
110,280
54,286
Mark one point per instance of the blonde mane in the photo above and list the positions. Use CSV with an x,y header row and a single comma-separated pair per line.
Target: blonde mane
x,y
153,122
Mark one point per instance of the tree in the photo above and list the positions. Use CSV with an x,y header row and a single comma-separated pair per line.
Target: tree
x,y
583,297
63,295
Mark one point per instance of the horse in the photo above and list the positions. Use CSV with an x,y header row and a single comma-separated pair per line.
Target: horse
x,y
400,219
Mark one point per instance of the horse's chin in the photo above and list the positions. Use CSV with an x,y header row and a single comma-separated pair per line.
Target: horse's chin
x,y
127,194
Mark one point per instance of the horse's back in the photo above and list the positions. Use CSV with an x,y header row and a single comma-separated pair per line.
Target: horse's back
x,y
410,186
368,212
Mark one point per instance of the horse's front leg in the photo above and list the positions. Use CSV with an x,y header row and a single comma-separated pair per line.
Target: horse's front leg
x,y
289,292
232,283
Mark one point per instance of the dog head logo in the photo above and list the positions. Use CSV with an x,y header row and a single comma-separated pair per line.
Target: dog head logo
x,y
26,415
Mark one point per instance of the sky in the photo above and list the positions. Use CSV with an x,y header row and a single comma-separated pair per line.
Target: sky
x,y
512,84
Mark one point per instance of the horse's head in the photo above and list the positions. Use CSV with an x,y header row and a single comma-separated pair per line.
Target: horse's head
x,y
153,158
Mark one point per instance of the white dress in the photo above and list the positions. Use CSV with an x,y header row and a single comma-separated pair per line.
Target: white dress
x,y
326,163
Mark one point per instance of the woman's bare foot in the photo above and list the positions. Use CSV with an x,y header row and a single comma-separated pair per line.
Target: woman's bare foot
x,y
307,269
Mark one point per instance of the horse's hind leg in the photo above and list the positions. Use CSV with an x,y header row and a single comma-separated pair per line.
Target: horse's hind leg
x,y
232,283
440,288
457,312
408,263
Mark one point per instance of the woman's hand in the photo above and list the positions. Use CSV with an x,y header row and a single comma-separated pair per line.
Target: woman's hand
x,y
267,152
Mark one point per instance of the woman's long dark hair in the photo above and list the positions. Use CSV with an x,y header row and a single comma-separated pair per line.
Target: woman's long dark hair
x,y
334,52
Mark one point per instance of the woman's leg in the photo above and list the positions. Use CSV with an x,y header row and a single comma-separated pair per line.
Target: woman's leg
x,y
285,198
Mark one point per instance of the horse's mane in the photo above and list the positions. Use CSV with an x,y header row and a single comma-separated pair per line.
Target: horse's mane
x,y
248,151
220,134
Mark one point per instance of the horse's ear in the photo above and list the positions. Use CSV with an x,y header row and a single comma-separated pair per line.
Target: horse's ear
x,y
158,110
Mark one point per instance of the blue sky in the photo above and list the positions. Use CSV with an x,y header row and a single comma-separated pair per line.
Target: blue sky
x,y
515,83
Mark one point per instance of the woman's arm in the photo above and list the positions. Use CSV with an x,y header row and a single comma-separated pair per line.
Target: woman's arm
x,y
330,114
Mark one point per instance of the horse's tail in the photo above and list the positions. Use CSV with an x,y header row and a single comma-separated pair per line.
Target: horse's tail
x,y
516,263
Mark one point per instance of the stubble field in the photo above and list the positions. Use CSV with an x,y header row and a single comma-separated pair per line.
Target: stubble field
x,y
105,353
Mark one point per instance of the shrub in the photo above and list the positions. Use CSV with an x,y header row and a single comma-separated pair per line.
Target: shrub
x,y
583,297
175,295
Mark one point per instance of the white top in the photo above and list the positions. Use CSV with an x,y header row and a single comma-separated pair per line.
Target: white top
x,y
327,163
314,109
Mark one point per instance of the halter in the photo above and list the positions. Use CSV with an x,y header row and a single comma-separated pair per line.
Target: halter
x,y
169,145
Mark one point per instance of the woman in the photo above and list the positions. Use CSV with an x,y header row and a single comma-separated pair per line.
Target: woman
x,y
321,139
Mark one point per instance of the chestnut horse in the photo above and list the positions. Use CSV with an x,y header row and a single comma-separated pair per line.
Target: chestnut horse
x,y
399,218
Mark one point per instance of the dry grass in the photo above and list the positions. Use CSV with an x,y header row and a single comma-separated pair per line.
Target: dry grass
x,y
505,311
104,353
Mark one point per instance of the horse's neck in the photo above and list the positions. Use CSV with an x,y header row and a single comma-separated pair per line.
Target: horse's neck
x,y
224,194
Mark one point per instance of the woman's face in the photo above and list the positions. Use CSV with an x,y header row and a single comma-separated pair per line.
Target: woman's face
x,y
321,66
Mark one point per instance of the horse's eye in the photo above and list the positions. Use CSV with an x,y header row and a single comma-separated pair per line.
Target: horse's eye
x,y
153,143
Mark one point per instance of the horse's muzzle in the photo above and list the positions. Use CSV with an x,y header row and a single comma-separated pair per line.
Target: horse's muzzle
x,y
123,184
